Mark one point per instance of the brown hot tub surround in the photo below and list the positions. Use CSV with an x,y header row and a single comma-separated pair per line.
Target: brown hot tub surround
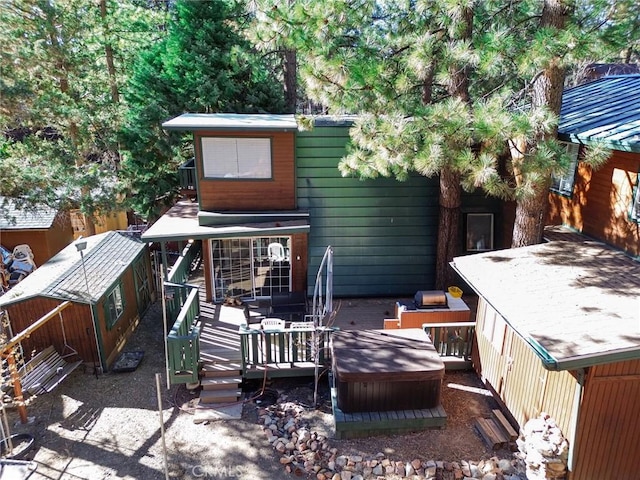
x,y
382,370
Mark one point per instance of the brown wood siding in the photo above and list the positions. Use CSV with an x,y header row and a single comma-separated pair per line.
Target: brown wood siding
x,y
113,340
275,194
607,446
516,374
44,243
299,247
77,328
208,274
601,201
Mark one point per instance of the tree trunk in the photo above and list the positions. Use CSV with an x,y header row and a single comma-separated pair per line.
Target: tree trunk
x,y
547,91
448,226
108,52
290,81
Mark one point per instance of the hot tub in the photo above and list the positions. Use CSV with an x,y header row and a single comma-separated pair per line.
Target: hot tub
x,y
385,370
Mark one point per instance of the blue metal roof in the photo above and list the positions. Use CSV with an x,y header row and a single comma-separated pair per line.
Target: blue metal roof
x,y
106,257
605,111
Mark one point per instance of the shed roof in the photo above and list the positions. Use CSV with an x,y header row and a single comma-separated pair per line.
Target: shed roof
x,y
231,122
14,217
576,303
605,111
106,257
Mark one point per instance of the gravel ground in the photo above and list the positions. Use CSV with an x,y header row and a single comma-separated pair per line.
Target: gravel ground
x,y
109,427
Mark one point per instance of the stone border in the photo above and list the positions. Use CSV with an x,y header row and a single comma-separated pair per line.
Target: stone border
x,y
304,452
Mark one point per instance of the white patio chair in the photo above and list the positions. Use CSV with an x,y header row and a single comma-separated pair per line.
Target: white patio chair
x,y
300,325
272,324
276,252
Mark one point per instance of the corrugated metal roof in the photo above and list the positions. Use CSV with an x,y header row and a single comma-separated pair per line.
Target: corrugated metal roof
x,y
106,257
13,217
577,303
606,110
231,122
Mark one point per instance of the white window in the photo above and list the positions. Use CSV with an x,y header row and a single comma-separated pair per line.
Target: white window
x,y
226,157
114,305
479,232
634,213
564,184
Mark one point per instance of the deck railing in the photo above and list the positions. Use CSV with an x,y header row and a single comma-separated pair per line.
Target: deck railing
x,y
183,312
280,351
452,340
187,175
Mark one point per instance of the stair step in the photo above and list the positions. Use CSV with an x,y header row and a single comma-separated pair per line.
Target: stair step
x,y
220,370
220,396
220,383
492,433
502,421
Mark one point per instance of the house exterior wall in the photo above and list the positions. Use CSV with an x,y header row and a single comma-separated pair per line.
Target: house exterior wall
x,y
278,193
606,445
600,204
44,243
510,367
383,232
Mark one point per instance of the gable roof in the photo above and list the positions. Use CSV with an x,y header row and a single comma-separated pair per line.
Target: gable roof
x,y
575,303
14,217
605,111
106,257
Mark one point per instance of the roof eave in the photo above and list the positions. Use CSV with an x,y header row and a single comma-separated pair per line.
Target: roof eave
x,y
611,144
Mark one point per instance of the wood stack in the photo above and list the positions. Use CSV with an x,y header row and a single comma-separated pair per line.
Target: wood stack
x,y
496,431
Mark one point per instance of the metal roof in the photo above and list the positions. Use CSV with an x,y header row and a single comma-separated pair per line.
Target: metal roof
x,y
106,257
181,222
605,111
575,303
232,122
13,217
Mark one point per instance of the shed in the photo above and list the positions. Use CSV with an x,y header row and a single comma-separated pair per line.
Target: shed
x,y
44,229
110,286
558,331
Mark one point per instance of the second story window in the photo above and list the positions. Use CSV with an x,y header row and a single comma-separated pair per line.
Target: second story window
x,y
564,184
226,157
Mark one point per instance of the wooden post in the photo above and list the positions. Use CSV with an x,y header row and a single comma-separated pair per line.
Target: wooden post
x,y
17,388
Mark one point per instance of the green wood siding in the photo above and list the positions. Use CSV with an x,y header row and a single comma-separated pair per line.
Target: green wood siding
x,y
383,231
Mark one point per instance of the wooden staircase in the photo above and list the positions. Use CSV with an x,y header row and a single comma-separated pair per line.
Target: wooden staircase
x,y
496,431
221,383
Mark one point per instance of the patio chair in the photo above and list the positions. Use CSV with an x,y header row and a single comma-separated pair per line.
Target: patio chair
x,y
251,318
272,324
276,252
300,325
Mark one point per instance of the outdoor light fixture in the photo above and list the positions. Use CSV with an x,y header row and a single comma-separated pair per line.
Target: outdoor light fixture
x,y
81,245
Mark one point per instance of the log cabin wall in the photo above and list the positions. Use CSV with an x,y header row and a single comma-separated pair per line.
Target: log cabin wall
x,y
607,446
277,193
511,368
77,328
601,202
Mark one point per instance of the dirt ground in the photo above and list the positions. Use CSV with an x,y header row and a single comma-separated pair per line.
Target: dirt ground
x,y
109,427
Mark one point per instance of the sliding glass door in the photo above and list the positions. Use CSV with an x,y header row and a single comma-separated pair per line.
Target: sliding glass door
x,y
250,267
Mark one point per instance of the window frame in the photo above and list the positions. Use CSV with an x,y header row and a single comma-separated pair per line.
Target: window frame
x,y
490,231
110,300
634,208
564,184
246,164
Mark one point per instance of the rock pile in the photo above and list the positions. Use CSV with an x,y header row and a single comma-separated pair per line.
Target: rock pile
x,y
305,453
544,449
